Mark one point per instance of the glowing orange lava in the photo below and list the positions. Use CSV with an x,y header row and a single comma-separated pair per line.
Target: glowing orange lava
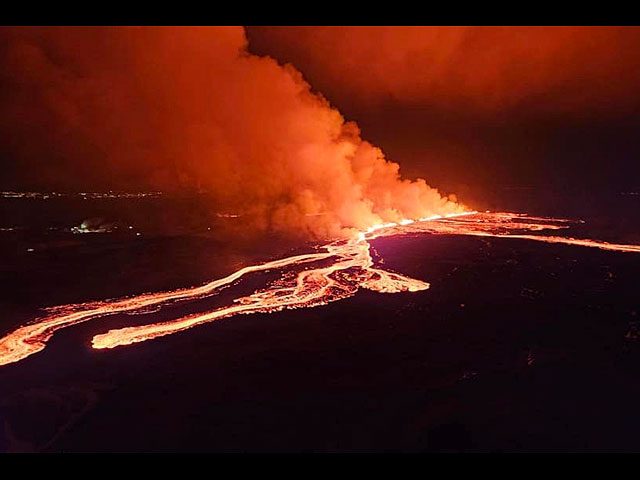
x,y
351,268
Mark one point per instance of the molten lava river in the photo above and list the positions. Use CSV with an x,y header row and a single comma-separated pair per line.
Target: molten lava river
x,y
344,267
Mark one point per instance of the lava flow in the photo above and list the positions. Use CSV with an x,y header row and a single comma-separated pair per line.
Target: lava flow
x,y
351,267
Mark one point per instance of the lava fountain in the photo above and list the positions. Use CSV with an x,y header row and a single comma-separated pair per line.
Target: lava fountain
x,y
350,268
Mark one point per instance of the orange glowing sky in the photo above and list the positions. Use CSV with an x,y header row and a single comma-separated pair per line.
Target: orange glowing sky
x,y
473,109
464,107
485,68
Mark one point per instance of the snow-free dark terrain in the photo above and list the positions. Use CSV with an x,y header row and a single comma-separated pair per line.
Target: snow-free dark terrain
x,y
517,345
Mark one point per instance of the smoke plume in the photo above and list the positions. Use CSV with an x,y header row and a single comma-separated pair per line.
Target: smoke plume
x,y
190,108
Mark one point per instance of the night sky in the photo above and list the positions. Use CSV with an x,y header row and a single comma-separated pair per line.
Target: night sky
x,y
473,111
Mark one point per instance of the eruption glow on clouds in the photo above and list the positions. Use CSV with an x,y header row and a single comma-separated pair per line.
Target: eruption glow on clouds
x,y
191,108
485,69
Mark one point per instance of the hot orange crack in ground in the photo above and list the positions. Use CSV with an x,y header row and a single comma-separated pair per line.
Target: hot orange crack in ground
x,y
32,338
351,268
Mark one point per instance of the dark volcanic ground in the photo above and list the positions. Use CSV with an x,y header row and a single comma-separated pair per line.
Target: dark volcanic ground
x,y
517,346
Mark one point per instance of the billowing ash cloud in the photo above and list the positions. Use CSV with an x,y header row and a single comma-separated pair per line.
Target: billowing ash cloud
x,y
191,108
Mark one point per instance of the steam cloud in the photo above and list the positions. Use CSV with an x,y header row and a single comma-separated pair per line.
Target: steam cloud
x,y
190,108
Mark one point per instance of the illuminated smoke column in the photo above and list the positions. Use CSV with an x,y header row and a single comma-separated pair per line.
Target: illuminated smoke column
x,y
188,109
350,267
